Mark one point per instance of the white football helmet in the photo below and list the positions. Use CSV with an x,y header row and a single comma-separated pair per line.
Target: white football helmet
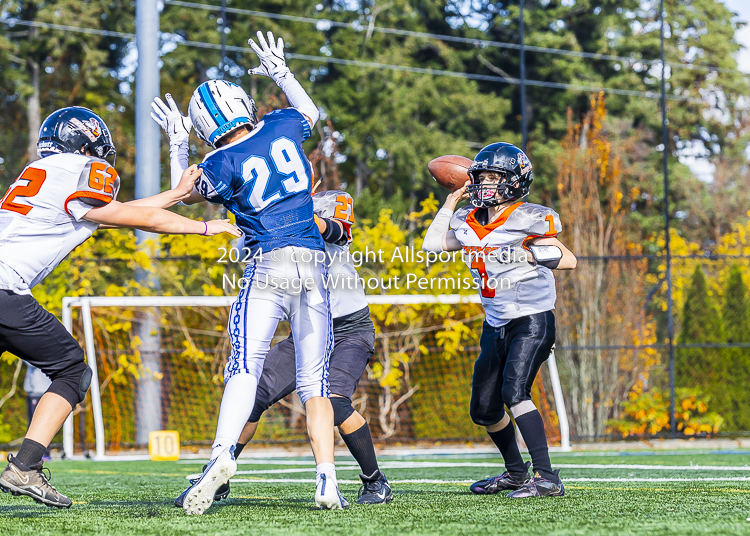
x,y
218,107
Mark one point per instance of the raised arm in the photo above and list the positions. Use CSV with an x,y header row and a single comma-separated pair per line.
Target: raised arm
x,y
177,126
273,64
440,237
157,220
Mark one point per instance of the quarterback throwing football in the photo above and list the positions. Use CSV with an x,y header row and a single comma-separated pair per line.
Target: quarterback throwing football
x,y
510,247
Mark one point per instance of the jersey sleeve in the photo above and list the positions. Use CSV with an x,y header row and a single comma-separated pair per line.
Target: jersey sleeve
x,y
299,126
536,221
98,185
213,184
335,205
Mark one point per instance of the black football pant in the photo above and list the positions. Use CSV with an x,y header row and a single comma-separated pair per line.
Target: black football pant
x,y
508,362
36,336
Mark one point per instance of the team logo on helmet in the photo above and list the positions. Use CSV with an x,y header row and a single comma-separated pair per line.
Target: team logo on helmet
x,y
89,127
524,162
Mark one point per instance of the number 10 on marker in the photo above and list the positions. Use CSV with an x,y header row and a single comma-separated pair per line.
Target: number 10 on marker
x,y
164,446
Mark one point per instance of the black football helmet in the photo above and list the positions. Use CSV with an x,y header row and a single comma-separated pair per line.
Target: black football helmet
x,y
511,164
74,130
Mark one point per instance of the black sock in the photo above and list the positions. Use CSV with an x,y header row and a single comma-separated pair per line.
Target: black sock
x,y
30,452
238,448
505,440
531,426
360,445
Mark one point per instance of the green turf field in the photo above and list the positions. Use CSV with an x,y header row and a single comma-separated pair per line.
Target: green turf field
x,y
687,492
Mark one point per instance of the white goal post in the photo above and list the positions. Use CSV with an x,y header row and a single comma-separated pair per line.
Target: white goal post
x,y
85,304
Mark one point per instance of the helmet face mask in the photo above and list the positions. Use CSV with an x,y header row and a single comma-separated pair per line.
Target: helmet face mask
x,y
488,191
218,108
513,168
75,130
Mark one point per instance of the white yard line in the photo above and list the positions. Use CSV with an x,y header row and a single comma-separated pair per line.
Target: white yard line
x,y
308,466
463,482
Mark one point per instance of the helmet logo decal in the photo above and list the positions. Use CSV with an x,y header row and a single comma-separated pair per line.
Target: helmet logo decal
x,y
89,127
523,161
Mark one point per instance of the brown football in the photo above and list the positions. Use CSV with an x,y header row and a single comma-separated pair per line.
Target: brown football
x,y
450,171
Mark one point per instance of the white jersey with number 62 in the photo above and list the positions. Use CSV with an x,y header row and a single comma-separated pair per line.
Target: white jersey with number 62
x,y
41,215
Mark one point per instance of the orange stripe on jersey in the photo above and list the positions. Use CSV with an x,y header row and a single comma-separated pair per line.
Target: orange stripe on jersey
x,y
483,230
91,195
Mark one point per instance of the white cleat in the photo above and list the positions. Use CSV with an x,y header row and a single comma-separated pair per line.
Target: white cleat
x,y
217,473
327,495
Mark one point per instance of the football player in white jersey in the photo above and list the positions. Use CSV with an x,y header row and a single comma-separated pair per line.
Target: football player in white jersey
x,y
510,246
354,345
54,206
259,171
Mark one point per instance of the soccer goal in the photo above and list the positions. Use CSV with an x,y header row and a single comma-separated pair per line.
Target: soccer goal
x,y
158,364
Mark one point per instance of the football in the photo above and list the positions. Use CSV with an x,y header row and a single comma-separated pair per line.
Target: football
x,y
450,171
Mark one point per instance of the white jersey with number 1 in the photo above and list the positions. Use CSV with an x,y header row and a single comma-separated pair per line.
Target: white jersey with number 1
x,y
41,215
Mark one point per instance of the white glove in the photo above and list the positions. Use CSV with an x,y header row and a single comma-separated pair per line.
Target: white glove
x,y
169,118
272,62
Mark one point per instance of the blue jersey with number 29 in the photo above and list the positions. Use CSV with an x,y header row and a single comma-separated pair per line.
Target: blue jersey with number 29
x,y
265,180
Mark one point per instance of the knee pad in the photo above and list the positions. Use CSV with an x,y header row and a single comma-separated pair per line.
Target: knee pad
x,y
261,405
513,394
72,383
85,383
342,409
484,416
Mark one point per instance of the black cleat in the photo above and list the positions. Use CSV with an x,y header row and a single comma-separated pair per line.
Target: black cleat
x,y
18,479
539,487
504,482
375,489
221,493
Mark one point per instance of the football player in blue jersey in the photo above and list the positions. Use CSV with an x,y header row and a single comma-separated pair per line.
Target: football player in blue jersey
x,y
260,172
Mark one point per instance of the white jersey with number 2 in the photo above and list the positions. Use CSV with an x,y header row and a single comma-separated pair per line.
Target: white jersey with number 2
x,y
41,215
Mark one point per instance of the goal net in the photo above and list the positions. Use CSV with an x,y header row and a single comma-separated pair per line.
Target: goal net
x,y
158,364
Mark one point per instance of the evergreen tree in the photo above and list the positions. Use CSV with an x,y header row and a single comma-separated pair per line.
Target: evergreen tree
x,y
734,400
696,368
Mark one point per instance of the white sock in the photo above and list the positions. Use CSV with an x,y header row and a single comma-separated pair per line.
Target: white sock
x,y
328,469
236,405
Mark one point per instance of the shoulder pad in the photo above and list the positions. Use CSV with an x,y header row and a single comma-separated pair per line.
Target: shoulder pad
x,y
294,116
98,183
460,216
283,113
334,204
536,220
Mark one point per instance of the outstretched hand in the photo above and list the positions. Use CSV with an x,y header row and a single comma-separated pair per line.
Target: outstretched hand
x,y
271,56
171,120
214,227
